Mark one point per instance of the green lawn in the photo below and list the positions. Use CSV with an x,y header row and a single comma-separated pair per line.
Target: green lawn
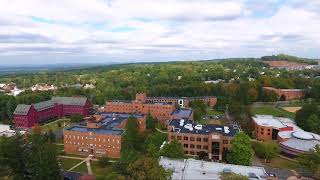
x,y
99,171
59,148
54,125
68,163
212,112
271,110
279,162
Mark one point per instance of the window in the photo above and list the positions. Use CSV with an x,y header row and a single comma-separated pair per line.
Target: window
x,y
172,137
198,146
205,147
268,129
186,152
191,146
205,139
199,139
225,141
268,133
185,145
192,152
185,138
191,138
261,132
179,137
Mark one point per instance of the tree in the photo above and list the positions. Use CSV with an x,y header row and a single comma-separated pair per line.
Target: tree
x,y
13,157
152,151
173,149
313,123
11,105
232,176
147,168
76,118
241,150
131,139
151,124
51,136
126,158
267,150
103,161
311,161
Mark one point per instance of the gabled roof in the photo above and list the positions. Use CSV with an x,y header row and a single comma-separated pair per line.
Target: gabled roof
x,y
22,109
76,101
43,105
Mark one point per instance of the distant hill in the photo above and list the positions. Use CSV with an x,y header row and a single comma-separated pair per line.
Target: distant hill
x,y
284,57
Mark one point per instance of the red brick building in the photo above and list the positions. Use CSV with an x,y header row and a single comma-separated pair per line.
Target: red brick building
x,y
101,135
286,94
161,108
212,140
26,116
181,101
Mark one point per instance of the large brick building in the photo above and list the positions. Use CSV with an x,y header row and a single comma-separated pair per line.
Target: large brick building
x,y
181,101
286,94
161,108
213,140
100,135
26,116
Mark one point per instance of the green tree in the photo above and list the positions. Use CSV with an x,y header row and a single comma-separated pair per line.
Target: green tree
x,y
76,118
152,151
151,124
303,115
147,169
232,176
11,105
241,150
267,150
311,161
313,123
132,139
13,157
173,149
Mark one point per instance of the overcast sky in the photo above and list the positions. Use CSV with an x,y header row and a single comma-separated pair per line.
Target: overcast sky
x,y
65,31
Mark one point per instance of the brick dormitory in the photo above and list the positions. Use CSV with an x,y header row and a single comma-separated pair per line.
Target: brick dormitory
x,y
100,135
161,108
26,116
212,140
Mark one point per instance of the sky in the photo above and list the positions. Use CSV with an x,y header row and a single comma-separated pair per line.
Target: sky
x,y
105,31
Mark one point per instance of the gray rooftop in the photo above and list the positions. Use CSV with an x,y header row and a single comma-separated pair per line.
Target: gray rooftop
x,y
182,113
173,97
76,101
186,169
22,109
109,122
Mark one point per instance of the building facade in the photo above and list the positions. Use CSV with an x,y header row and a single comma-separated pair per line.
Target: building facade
x,y
211,101
286,94
212,140
26,116
101,135
292,139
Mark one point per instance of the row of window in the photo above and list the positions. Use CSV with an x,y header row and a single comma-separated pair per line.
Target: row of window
x,y
186,138
95,145
92,138
192,146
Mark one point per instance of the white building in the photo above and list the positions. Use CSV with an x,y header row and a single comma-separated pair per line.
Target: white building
x,y
186,169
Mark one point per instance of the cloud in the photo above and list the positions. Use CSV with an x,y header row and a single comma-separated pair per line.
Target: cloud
x,y
157,30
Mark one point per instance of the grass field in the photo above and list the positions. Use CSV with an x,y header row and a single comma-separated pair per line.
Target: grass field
x,y
68,163
54,125
279,162
271,110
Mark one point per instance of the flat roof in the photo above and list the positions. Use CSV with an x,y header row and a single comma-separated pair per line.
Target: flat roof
x,y
188,126
109,124
174,97
182,113
196,169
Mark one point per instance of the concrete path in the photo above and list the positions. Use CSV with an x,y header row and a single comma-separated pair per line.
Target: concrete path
x,y
75,166
88,166
159,130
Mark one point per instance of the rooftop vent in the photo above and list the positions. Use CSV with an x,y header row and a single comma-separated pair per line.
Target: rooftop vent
x,y
181,122
226,129
198,126
219,129
188,126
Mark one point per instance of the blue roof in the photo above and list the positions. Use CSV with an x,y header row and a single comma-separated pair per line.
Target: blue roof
x,y
109,123
182,113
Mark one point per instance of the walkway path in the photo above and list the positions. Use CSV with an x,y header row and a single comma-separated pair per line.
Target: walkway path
x,y
159,130
88,165
75,166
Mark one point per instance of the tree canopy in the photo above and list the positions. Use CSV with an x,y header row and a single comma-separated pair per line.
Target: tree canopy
x,y
173,149
241,151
